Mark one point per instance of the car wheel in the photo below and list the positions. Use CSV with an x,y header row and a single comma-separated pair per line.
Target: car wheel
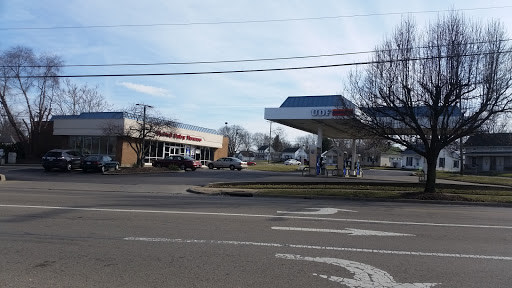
x,y
193,169
68,167
182,167
47,169
232,167
239,169
116,167
158,165
210,166
85,170
102,169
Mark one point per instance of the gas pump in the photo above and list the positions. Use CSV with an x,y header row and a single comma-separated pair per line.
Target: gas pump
x,y
359,171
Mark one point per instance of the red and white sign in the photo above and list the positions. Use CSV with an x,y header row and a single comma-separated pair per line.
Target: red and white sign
x,y
178,136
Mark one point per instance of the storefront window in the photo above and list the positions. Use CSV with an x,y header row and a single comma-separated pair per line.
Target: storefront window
x,y
94,144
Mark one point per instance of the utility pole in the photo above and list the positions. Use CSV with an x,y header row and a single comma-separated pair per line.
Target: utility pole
x,y
270,143
143,131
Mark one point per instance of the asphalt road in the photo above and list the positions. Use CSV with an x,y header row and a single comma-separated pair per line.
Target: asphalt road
x,y
75,238
199,177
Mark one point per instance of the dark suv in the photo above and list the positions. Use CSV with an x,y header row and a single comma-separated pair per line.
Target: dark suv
x,y
62,159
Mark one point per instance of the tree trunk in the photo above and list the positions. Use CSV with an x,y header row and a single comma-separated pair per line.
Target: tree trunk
x,y
430,185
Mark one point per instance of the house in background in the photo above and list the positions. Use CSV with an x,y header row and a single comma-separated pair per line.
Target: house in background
x,y
489,152
294,153
264,152
334,156
446,161
391,158
246,156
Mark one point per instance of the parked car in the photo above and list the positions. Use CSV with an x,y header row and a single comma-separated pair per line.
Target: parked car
x,y
98,163
63,159
292,162
251,163
228,162
180,161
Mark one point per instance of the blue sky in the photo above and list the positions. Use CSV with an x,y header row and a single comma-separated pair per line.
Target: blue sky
x,y
211,100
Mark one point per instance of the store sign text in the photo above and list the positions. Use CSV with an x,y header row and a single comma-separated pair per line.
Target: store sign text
x,y
333,112
178,136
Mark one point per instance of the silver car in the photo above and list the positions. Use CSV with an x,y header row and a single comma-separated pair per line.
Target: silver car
x,y
228,162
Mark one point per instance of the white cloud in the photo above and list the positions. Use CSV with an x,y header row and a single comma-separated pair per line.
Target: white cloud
x,y
146,89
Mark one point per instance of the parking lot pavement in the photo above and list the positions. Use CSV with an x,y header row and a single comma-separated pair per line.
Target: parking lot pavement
x,y
95,187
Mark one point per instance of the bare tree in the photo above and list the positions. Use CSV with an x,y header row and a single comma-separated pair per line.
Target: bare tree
x,y
306,141
140,128
27,90
438,86
373,148
237,135
246,141
73,99
497,124
260,139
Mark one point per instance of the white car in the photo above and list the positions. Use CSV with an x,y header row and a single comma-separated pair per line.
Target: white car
x,y
292,162
228,162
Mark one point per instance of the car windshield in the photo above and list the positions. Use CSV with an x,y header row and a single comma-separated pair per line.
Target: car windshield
x,y
188,158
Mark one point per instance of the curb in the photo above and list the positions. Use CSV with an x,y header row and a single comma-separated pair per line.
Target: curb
x,y
254,193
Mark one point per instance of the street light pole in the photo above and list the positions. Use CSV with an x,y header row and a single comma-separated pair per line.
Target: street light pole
x,y
143,130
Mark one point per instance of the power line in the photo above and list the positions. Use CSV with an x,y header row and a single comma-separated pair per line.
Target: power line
x,y
251,21
241,60
258,70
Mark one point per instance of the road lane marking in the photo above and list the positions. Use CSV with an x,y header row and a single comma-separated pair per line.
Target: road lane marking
x,y
255,215
350,231
321,211
364,274
364,250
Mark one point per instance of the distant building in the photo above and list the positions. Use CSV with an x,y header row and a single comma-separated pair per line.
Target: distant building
x,y
446,161
391,158
294,153
267,153
246,156
86,133
489,152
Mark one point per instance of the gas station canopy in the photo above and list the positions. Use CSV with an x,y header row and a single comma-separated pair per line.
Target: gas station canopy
x,y
333,114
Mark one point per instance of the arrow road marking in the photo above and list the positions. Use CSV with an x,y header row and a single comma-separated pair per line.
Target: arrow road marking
x,y
364,275
321,211
350,231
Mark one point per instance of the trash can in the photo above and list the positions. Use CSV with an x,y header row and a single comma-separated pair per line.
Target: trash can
x,y
11,158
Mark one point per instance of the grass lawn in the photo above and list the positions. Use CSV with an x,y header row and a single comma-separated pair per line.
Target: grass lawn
x,y
263,165
380,191
501,179
385,191
274,167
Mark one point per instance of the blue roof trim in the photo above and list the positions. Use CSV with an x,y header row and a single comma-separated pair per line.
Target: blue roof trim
x,y
121,115
197,128
92,115
317,101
